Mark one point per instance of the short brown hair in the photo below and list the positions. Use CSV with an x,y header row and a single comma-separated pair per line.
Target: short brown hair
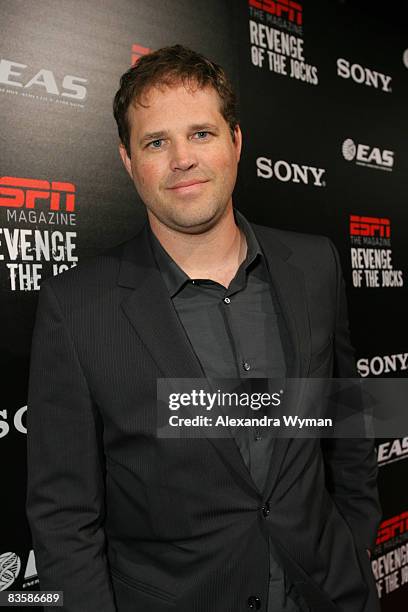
x,y
168,66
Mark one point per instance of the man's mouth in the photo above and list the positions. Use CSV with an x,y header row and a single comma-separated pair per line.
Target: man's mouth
x,y
188,185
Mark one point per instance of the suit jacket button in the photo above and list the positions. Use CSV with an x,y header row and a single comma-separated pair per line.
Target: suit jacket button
x,y
266,509
254,603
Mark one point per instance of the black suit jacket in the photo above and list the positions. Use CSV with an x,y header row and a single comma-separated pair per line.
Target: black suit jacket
x,y
125,521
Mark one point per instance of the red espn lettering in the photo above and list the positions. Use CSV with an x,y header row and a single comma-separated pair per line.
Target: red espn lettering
x,y
137,52
392,527
280,8
18,192
369,226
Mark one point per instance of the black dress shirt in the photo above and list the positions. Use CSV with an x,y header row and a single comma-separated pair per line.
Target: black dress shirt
x,y
235,332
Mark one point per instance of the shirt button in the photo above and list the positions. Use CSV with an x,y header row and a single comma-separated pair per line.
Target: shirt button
x,y
246,366
227,300
254,603
266,510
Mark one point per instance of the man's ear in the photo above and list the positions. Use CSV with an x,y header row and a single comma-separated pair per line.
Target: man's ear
x,y
238,141
126,159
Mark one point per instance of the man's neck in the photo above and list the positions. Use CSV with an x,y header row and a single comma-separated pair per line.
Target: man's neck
x,y
214,254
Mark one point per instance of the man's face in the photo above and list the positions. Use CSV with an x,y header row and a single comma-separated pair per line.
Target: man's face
x,y
183,158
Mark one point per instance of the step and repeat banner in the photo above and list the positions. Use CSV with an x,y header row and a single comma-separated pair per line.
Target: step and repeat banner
x,y
323,90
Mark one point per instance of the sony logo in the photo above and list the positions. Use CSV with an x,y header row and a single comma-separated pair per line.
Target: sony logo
x,y
362,75
289,172
382,364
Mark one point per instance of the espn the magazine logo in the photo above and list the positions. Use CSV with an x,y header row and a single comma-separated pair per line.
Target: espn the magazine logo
x,y
393,527
370,226
16,192
137,52
286,9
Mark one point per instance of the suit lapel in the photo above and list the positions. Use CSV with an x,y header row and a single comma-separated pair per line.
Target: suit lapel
x,y
150,310
288,282
289,285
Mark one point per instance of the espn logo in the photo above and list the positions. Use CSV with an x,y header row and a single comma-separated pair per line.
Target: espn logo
x,y
281,8
137,52
24,192
392,527
369,226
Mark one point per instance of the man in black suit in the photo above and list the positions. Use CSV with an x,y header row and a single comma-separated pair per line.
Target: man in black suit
x,y
124,520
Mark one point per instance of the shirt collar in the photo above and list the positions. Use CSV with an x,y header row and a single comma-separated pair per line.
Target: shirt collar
x,y
174,277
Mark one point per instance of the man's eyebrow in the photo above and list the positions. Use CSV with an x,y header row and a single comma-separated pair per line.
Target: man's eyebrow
x,y
196,127
201,127
153,136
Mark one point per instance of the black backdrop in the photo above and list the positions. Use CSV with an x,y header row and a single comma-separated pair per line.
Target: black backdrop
x,y
324,121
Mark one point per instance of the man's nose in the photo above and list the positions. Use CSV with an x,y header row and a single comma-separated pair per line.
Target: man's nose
x,y
183,156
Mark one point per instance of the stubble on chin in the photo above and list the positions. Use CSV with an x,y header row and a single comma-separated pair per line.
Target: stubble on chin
x,y
189,222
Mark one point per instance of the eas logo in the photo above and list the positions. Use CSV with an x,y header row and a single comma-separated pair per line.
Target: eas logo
x,y
395,526
349,149
24,192
11,75
10,566
395,450
281,8
289,172
137,52
369,226
362,75
365,155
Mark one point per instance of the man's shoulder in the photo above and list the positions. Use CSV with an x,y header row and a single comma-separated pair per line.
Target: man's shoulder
x,y
96,271
295,245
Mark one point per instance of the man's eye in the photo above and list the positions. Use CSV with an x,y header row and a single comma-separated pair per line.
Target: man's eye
x,y
202,134
156,144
